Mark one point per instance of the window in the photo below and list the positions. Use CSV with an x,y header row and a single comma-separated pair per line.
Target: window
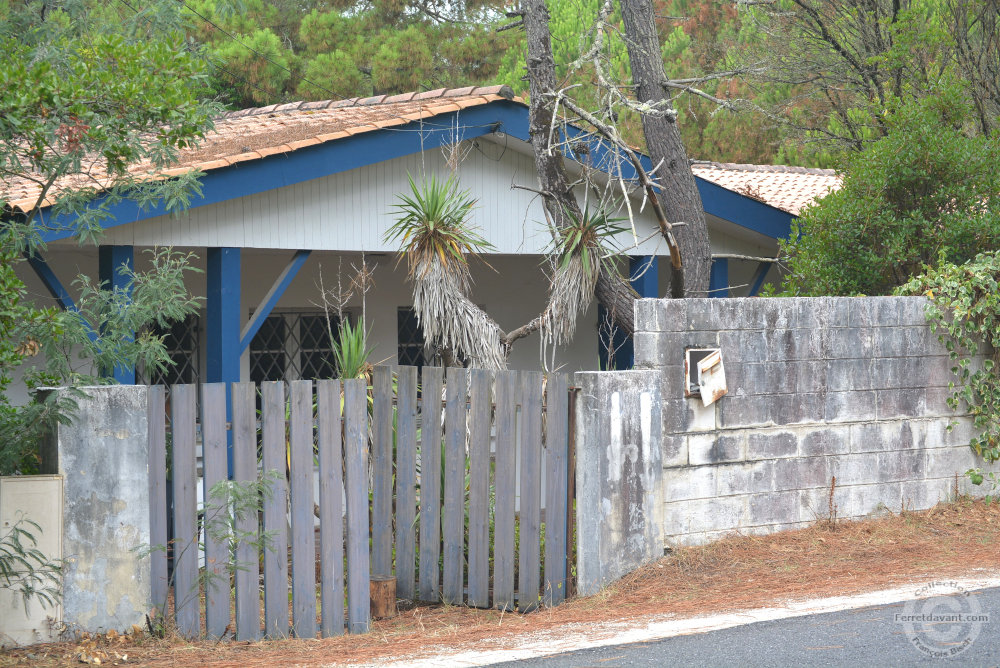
x,y
292,346
181,339
410,338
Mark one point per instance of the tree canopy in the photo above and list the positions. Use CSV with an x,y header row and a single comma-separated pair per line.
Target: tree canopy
x,y
85,94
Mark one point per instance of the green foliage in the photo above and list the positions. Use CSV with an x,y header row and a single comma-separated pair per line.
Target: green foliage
x,y
85,90
977,477
591,238
964,309
25,569
351,351
927,192
262,65
433,222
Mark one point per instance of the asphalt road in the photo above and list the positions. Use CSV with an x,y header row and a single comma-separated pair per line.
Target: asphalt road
x,y
864,637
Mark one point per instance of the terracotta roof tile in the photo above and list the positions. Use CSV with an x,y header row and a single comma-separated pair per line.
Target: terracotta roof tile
x,y
784,187
251,134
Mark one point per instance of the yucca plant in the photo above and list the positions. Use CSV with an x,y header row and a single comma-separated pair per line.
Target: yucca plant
x,y
433,228
351,351
435,235
580,250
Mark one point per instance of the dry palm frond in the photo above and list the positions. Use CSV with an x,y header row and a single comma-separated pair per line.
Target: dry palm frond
x,y
451,320
436,237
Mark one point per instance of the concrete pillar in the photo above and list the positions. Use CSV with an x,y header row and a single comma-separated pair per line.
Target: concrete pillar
x,y
619,473
103,456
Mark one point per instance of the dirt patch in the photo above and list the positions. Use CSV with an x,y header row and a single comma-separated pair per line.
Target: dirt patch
x,y
739,572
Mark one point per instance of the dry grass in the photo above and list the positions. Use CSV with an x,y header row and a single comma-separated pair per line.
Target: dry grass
x,y
956,539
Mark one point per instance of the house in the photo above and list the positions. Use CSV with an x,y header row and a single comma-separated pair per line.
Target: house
x,y
294,193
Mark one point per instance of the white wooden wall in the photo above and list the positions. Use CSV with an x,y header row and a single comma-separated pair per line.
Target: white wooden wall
x,y
352,210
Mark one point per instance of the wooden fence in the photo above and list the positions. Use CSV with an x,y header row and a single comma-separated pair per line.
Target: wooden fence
x,y
401,493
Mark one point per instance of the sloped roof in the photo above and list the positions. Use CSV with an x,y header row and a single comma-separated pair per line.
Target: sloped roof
x,y
790,189
251,134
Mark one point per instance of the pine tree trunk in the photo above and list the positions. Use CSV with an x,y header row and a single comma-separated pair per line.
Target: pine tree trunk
x,y
679,196
612,290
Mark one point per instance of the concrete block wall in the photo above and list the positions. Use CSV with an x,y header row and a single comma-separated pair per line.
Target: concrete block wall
x,y
854,388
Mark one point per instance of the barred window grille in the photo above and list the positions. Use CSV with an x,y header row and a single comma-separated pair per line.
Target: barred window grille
x,y
182,342
410,338
293,346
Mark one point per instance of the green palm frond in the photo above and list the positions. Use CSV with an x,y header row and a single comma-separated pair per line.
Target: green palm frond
x,y
591,237
433,223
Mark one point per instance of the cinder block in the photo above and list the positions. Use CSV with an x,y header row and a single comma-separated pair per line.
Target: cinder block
x,y
947,462
718,514
692,482
673,450
936,371
815,504
700,316
647,316
871,499
745,411
936,401
848,343
876,436
850,406
810,376
701,417
802,408
943,432
825,441
746,346
674,414
886,311
730,313
745,478
924,494
862,312
716,448
803,472
900,465
910,310
772,313
900,403
773,508
771,444
856,468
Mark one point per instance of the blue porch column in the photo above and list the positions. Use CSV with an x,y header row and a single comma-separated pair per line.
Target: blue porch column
x,y
109,262
222,324
644,276
718,281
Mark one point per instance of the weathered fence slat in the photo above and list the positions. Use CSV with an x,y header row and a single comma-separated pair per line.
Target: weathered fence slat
x,y
430,482
186,589
406,481
556,479
453,529
216,508
382,471
531,492
303,525
479,488
331,512
245,472
159,584
356,453
507,390
274,463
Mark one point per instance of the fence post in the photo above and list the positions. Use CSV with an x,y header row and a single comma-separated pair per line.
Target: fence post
x,y
103,455
619,475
